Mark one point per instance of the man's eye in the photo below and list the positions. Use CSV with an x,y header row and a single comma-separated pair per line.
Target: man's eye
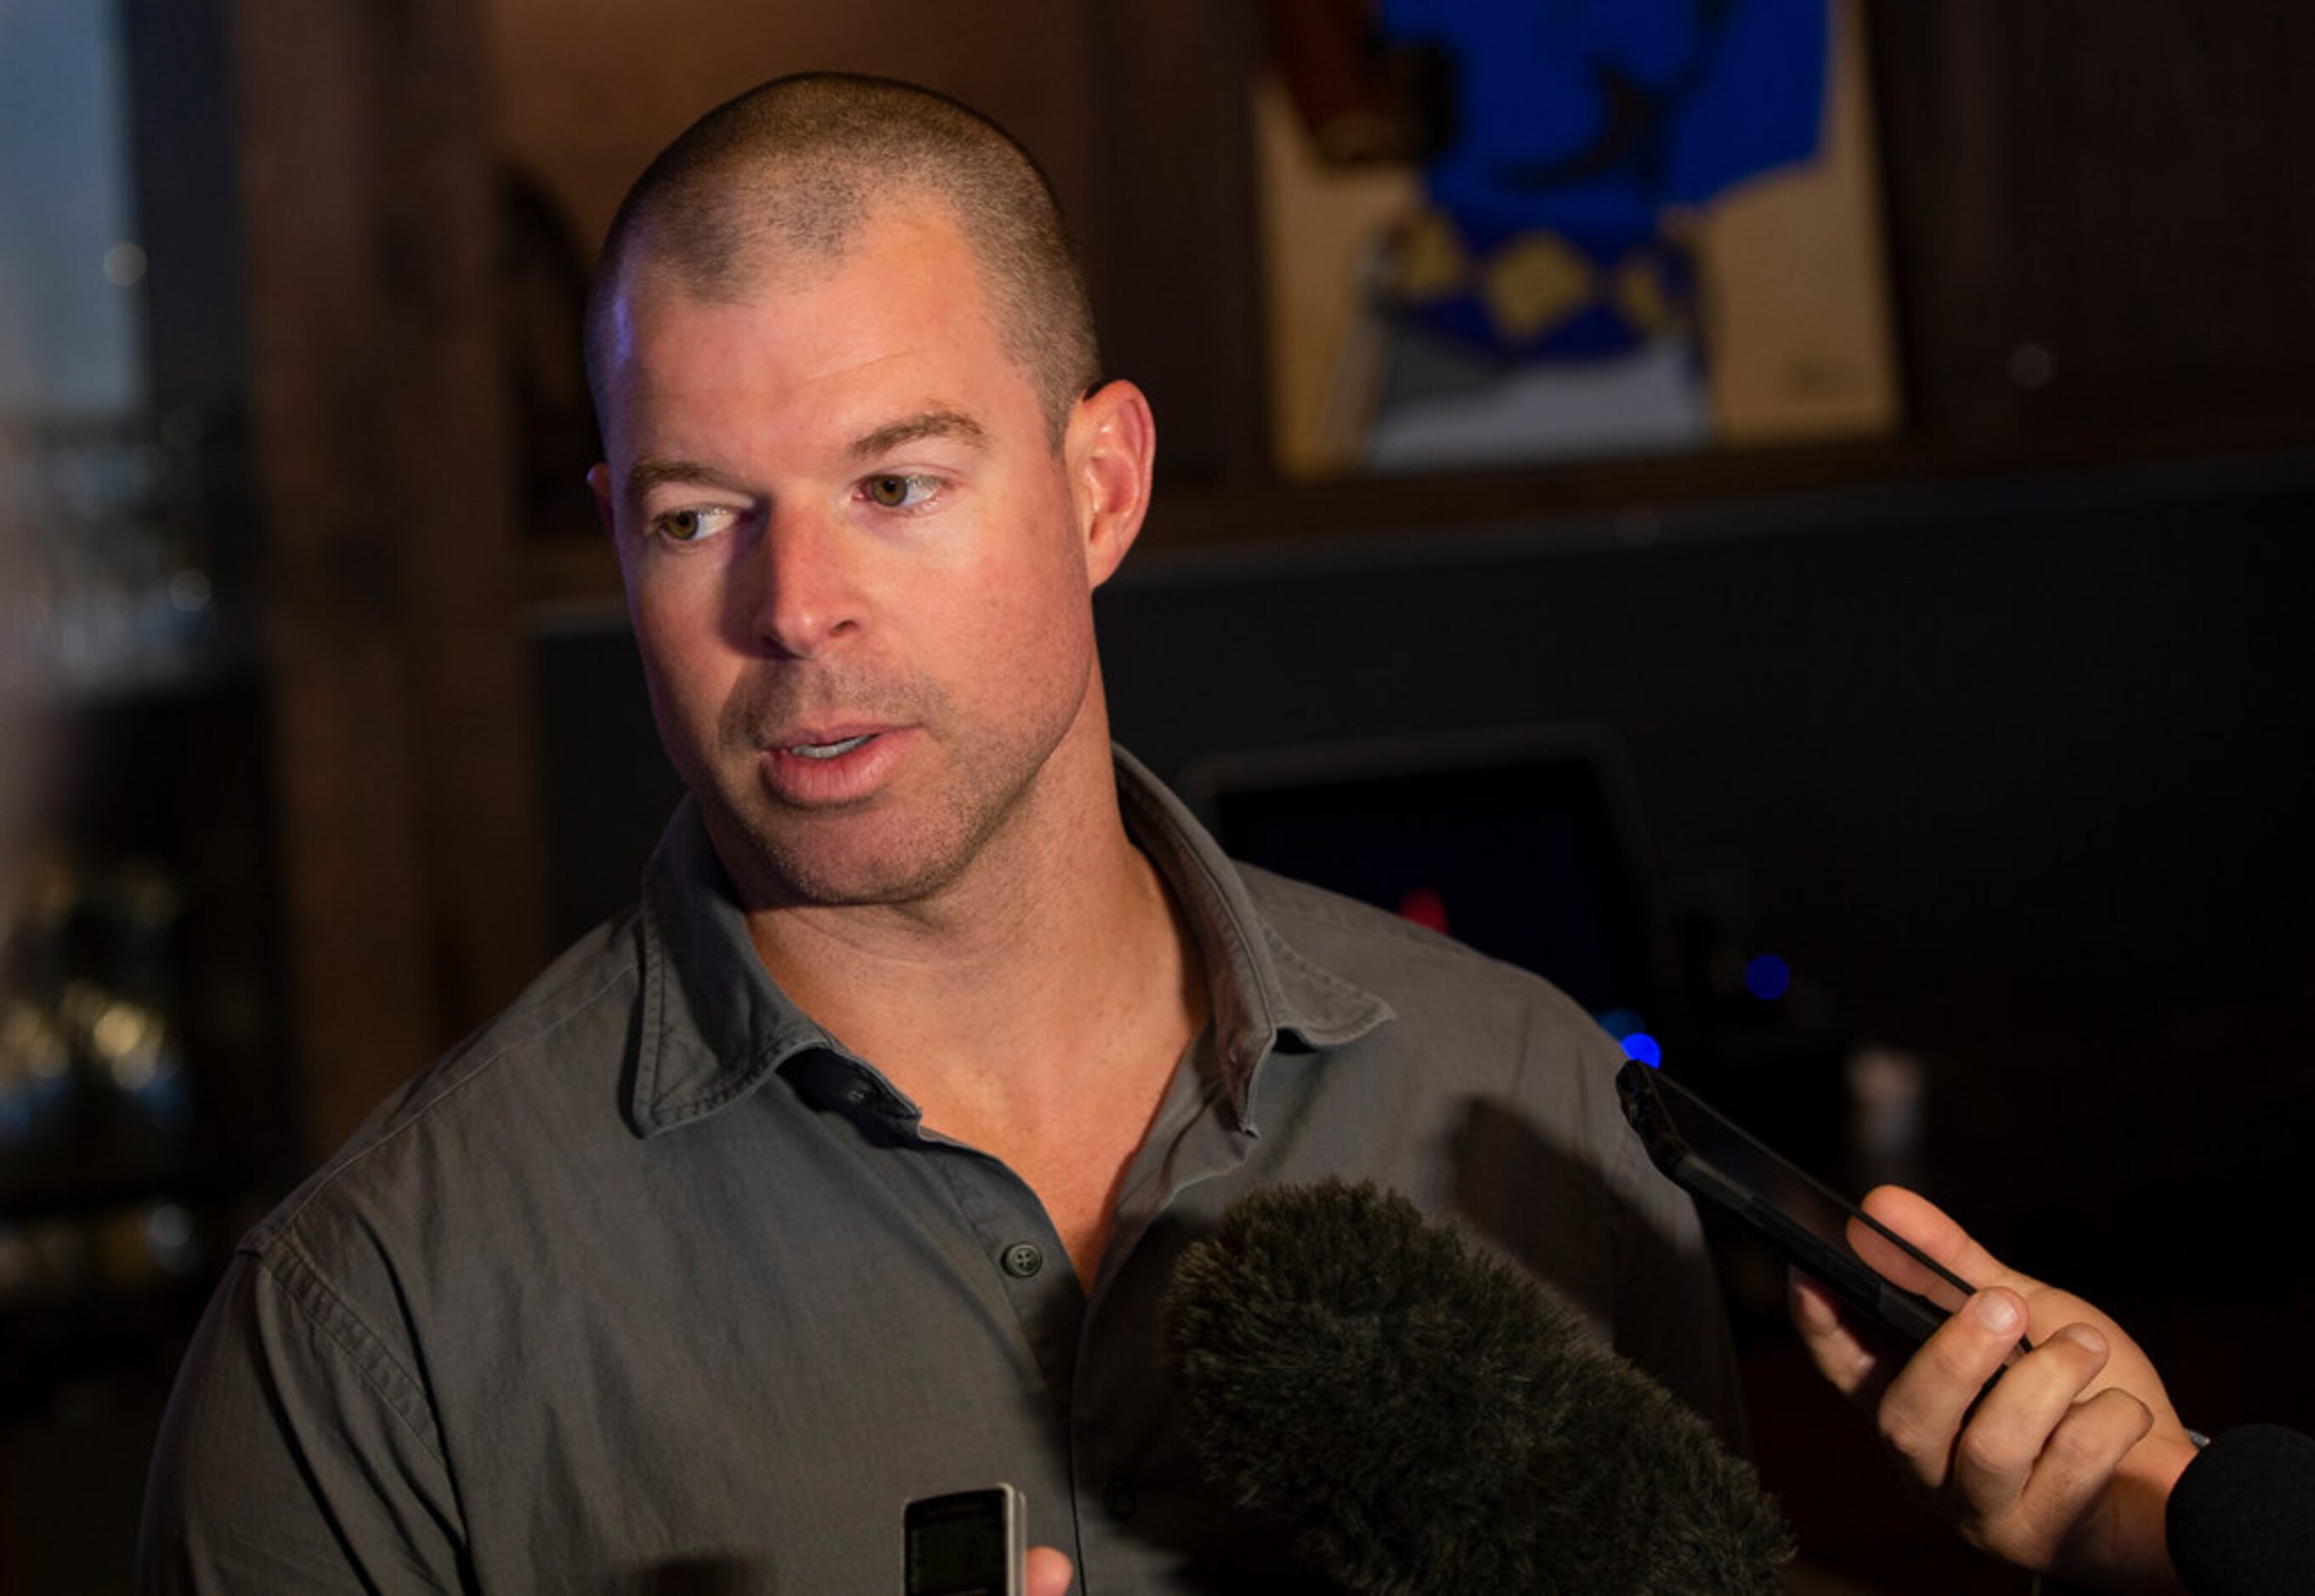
x,y
897,492
689,525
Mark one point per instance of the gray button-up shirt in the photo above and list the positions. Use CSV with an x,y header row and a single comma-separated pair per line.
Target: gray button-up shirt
x,y
653,1285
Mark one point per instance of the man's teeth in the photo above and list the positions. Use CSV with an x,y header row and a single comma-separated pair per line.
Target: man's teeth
x,y
829,751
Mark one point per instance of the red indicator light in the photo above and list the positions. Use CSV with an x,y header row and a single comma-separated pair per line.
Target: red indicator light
x,y
1424,908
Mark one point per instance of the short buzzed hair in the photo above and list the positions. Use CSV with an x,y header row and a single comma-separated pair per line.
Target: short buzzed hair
x,y
797,165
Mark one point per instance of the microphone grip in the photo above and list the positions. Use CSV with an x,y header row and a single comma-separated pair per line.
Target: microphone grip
x,y
2240,1521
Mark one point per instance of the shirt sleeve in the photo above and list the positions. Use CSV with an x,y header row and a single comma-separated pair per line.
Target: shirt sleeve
x,y
299,1453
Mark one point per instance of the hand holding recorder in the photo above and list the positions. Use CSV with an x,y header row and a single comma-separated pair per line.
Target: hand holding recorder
x,y
2066,1464
975,1543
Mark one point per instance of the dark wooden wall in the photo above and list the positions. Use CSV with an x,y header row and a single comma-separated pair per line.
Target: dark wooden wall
x,y
2102,220
390,576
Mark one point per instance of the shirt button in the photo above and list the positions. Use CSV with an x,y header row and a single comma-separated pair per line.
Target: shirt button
x,y
1023,1259
859,1093
1122,1499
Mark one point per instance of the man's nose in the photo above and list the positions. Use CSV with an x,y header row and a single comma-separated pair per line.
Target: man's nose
x,y
804,587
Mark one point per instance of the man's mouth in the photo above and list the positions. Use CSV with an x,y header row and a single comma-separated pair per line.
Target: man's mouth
x,y
830,750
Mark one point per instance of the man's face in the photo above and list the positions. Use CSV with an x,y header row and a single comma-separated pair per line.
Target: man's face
x,y
859,573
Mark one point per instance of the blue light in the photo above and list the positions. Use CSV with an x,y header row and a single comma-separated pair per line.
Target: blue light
x,y
1640,1045
1767,978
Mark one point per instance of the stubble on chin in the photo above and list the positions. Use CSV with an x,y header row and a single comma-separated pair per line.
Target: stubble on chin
x,y
860,856
905,844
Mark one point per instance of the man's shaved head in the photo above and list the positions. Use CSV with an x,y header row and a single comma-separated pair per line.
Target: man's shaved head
x,y
784,177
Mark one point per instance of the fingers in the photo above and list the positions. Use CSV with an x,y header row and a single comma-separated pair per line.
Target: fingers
x,y
2071,1509
1048,1574
1894,1264
2078,1465
2020,1419
2027,1468
1931,1229
1840,1356
1922,1412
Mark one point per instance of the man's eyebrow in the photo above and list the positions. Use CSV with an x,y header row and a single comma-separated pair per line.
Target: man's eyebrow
x,y
646,475
927,423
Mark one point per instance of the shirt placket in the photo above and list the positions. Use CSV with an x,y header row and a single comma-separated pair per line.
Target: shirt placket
x,y
1126,1513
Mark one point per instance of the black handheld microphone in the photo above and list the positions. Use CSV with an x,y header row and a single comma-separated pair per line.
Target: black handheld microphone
x,y
1429,1419
2241,1519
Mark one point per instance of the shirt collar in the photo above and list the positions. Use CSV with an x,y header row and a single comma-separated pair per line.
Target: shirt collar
x,y
1260,987
714,1025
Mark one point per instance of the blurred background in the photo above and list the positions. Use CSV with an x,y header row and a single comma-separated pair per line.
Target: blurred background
x,y
1789,517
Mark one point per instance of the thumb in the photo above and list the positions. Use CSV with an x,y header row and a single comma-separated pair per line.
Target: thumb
x,y
1049,1572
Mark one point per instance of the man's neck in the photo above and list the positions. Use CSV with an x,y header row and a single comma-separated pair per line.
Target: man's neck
x,y
996,996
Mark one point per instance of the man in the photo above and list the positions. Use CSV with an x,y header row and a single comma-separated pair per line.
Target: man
x,y
850,1166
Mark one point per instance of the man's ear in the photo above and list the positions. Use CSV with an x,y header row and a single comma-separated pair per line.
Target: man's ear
x,y
599,479
1109,450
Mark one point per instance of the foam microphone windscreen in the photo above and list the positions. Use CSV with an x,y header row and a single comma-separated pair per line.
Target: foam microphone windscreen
x,y
1427,1418
2241,1519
